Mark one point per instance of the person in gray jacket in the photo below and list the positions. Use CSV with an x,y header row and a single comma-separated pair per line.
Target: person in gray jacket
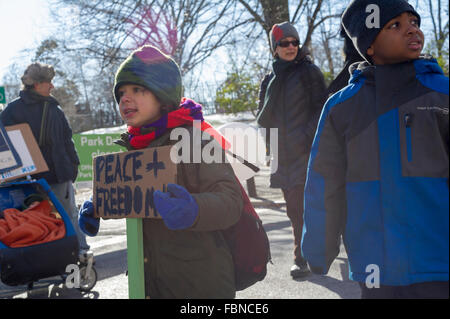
x,y
37,107
291,100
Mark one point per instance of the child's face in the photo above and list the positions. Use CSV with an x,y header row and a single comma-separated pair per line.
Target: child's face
x,y
400,40
138,106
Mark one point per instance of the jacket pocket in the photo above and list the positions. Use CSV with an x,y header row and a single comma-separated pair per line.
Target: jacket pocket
x,y
424,149
408,124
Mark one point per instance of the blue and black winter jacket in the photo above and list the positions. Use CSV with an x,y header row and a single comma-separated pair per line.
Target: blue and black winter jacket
x,y
379,175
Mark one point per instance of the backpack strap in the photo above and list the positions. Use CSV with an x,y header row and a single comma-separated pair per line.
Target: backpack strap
x,y
42,135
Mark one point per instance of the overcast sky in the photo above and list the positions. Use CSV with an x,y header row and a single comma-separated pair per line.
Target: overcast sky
x,y
23,23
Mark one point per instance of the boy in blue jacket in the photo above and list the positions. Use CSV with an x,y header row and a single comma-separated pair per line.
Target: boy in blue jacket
x,y
378,171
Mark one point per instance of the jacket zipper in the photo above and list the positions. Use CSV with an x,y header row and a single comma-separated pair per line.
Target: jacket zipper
x,y
408,123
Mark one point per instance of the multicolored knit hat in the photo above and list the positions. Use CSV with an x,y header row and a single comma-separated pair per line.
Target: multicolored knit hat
x,y
154,70
354,20
280,31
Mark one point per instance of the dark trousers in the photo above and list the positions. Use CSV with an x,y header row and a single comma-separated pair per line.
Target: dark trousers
x,y
294,208
423,290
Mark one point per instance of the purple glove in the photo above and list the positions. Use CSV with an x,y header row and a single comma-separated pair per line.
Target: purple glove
x,y
177,207
86,220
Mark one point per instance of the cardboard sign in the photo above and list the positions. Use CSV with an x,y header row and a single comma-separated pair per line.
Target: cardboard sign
x,y
9,159
30,155
124,182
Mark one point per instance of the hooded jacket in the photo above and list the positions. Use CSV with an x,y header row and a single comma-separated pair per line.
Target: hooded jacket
x,y
292,103
57,145
378,174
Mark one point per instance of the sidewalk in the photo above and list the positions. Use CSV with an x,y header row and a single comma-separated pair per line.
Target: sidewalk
x,y
266,197
278,284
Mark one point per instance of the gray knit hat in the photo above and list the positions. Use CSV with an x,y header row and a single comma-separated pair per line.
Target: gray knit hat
x,y
355,16
37,73
280,31
154,70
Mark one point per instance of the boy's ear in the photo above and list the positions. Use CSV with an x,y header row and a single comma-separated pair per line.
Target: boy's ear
x,y
370,51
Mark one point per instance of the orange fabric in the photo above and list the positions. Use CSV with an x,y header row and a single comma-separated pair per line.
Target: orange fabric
x,y
35,225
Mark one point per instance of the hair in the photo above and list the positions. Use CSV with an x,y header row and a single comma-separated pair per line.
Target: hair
x,y
27,87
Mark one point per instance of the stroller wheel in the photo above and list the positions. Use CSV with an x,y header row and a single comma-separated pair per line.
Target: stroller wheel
x,y
87,281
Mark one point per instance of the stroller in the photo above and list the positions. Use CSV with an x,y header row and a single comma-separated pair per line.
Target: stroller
x,y
27,265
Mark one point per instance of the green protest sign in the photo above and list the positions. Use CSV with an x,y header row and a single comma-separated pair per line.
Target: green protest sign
x,y
90,145
2,95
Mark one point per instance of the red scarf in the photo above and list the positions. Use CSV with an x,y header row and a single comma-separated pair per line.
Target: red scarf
x,y
188,112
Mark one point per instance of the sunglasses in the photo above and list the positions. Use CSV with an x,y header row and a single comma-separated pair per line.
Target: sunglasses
x,y
285,44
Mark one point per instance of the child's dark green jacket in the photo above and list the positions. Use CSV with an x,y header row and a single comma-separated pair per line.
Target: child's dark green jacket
x,y
196,262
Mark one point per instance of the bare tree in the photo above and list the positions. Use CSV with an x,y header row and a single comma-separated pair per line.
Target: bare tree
x,y
188,30
98,35
269,12
328,42
440,27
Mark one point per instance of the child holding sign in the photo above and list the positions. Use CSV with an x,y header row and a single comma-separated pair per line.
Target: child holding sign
x,y
185,253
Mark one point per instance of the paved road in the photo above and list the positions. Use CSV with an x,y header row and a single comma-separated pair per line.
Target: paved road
x,y
110,255
110,249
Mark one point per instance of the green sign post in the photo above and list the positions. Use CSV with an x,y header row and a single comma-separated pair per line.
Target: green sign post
x,y
135,256
2,95
88,146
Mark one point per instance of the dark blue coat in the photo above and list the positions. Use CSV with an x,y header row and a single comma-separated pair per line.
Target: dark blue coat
x,y
57,146
378,175
293,101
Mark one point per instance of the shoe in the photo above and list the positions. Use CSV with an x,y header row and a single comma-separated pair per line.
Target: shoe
x,y
299,271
